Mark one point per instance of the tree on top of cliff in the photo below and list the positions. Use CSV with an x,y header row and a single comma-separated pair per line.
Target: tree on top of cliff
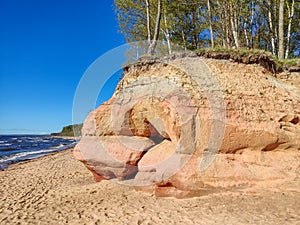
x,y
136,18
269,25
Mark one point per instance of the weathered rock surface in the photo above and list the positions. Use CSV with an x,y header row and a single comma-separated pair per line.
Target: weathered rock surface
x,y
166,133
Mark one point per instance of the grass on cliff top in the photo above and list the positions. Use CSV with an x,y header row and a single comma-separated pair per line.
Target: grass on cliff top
x,y
290,62
286,63
240,51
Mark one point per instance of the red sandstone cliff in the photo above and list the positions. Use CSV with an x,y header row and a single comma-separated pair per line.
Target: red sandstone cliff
x,y
172,129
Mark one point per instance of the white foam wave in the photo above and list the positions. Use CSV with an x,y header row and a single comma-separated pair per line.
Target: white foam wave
x,y
6,144
33,154
24,154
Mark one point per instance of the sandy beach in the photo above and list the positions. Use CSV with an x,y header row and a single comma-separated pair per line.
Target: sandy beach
x,y
57,189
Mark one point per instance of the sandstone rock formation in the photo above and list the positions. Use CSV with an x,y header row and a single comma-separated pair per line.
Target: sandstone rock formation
x,y
179,126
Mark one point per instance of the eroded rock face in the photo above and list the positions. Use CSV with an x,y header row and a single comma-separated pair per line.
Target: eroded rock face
x,y
161,130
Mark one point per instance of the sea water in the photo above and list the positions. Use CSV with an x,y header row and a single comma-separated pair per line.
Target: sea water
x,y
17,148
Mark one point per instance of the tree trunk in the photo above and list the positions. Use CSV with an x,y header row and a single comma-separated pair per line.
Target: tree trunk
x,y
291,11
210,25
167,35
183,39
195,35
156,31
182,29
227,27
236,24
220,13
251,23
148,22
233,18
246,34
281,30
271,27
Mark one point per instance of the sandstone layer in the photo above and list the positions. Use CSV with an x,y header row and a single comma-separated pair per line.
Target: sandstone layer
x,y
179,126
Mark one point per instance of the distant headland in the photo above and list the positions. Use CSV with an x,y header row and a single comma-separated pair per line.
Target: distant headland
x,y
68,131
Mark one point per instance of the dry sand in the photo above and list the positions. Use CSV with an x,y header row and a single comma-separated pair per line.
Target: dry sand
x,y
57,189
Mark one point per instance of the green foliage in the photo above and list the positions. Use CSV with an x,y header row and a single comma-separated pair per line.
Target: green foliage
x,y
290,62
69,130
251,24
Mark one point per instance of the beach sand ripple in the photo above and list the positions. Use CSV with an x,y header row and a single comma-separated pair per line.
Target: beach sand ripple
x,y
58,189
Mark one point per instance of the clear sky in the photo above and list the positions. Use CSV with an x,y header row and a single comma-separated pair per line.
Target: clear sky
x,y
45,48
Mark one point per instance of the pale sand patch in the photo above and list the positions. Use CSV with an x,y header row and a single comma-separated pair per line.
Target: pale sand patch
x,y
57,189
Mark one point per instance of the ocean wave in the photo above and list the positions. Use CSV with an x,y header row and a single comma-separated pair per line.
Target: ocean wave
x,y
5,144
14,149
31,154
23,154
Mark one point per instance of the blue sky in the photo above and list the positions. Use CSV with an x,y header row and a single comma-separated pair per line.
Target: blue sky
x,y
45,48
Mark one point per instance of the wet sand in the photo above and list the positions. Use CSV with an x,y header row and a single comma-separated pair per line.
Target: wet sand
x,y
57,189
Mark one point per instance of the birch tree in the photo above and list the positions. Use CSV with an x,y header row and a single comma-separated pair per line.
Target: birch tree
x,y
153,43
166,32
271,25
210,24
234,7
291,12
148,22
281,30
